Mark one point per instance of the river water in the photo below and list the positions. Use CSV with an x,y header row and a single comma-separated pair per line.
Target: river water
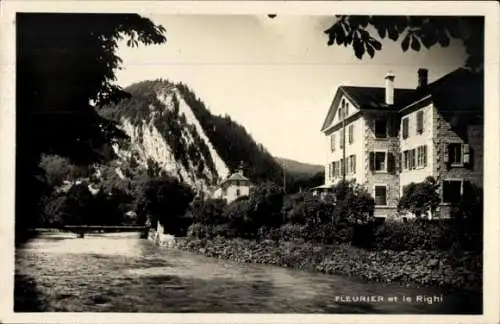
x,y
122,273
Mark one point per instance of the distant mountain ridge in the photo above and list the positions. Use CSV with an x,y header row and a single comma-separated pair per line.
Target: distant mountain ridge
x,y
299,170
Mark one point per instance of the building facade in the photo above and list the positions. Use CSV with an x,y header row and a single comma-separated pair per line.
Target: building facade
x,y
386,138
234,187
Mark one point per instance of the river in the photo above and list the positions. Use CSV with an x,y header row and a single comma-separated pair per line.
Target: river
x,y
122,273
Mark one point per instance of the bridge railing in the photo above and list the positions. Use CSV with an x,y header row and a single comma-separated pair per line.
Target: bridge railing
x,y
81,229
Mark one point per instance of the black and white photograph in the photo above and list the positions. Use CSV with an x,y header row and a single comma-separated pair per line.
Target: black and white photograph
x,y
184,160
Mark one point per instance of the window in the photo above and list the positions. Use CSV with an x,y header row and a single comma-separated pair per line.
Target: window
x,y
406,155
380,195
342,166
455,153
352,164
337,168
381,128
342,138
422,156
420,122
452,191
378,161
340,112
332,142
238,192
346,109
405,127
351,134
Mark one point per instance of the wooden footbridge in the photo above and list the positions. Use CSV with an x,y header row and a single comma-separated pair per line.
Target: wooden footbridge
x,y
81,230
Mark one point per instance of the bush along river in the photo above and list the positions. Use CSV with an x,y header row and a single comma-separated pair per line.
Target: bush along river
x,y
57,272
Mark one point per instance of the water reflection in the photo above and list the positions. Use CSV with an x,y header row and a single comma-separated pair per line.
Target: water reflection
x,y
121,273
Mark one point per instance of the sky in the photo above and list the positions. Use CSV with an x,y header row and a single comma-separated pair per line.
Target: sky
x,y
276,77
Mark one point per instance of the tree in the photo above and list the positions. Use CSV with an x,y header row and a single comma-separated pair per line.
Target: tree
x,y
65,69
413,32
237,217
70,208
353,204
266,201
166,200
420,198
58,169
209,212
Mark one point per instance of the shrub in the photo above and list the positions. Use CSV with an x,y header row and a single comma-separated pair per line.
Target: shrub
x,y
236,215
209,211
266,201
293,209
201,231
420,198
291,232
413,235
353,204
467,219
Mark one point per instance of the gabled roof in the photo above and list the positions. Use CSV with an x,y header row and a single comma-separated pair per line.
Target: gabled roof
x,y
374,97
237,176
459,89
367,98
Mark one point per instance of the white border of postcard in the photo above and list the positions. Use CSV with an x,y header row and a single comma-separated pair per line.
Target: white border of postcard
x,y
489,9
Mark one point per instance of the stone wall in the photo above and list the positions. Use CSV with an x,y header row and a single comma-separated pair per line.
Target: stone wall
x,y
389,178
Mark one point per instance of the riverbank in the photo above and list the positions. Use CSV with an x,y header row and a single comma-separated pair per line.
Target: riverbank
x,y
413,268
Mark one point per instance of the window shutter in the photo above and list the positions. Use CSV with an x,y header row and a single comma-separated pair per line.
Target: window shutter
x,y
420,122
413,158
405,128
425,155
341,138
390,163
446,153
400,162
466,153
354,164
372,161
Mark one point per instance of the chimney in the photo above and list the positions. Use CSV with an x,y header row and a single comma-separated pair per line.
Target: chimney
x,y
389,88
240,168
422,79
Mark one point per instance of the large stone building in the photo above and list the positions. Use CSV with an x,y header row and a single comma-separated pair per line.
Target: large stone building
x,y
386,138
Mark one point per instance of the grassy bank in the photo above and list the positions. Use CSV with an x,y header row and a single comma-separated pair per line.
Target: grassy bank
x,y
414,268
